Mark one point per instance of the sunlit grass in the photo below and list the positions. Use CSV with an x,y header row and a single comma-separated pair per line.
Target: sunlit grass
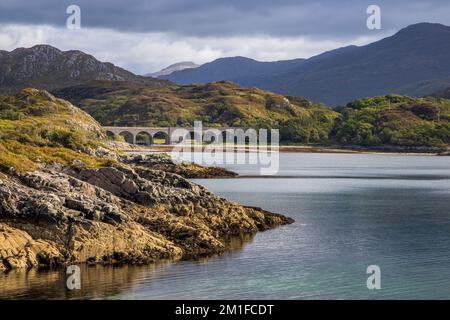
x,y
37,128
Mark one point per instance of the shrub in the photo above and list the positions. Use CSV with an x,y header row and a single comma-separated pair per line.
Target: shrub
x,y
65,138
10,114
39,110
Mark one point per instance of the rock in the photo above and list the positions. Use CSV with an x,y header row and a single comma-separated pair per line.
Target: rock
x,y
165,163
128,213
19,250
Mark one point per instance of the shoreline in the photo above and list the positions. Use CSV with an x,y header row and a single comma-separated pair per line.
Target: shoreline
x,y
141,210
387,150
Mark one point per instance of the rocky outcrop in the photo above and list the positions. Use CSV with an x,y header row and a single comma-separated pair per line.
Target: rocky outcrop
x,y
162,161
46,67
66,195
119,214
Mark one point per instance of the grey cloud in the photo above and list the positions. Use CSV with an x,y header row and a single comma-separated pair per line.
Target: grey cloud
x,y
322,19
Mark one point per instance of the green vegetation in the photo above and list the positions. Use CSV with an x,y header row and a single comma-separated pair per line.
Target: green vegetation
x,y
35,127
394,120
215,104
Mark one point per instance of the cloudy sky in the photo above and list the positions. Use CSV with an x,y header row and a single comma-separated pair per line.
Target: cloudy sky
x,y
144,36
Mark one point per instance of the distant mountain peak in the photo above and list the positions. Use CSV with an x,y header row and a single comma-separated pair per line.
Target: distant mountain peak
x,y
237,58
423,30
37,48
46,67
173,68
425,26
414,61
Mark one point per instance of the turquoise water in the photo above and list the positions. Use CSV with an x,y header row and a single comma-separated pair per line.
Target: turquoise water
x,y
351,211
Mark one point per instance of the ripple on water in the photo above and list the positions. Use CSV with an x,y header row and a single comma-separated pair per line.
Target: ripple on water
x,y
351,211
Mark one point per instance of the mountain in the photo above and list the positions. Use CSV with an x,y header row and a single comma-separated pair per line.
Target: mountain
x,y
414,61
46,67
443,94
215,104
242,70
172,68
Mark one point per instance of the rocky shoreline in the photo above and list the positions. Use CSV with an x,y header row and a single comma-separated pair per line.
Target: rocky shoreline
x,y
129,213
68,195
188,170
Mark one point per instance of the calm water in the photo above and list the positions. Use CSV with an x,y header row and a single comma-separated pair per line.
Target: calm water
x,y
351,211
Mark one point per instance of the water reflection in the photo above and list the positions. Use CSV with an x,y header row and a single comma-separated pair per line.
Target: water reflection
x,y
351,211
97,282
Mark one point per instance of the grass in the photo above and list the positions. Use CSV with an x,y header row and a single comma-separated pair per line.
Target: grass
x,y
24,158
159,141
36,128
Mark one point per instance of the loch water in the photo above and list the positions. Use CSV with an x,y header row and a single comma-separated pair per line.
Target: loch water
x,y
351,211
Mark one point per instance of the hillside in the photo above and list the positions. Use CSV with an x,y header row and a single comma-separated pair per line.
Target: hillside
x,y
391,120
35,127
215,104
46,67
396,121
67,197
413,62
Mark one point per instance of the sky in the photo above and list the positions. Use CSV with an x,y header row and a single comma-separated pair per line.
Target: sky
x,y
145,36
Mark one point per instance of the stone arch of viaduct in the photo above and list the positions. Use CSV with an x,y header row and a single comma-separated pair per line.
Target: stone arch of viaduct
x,y
131,133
